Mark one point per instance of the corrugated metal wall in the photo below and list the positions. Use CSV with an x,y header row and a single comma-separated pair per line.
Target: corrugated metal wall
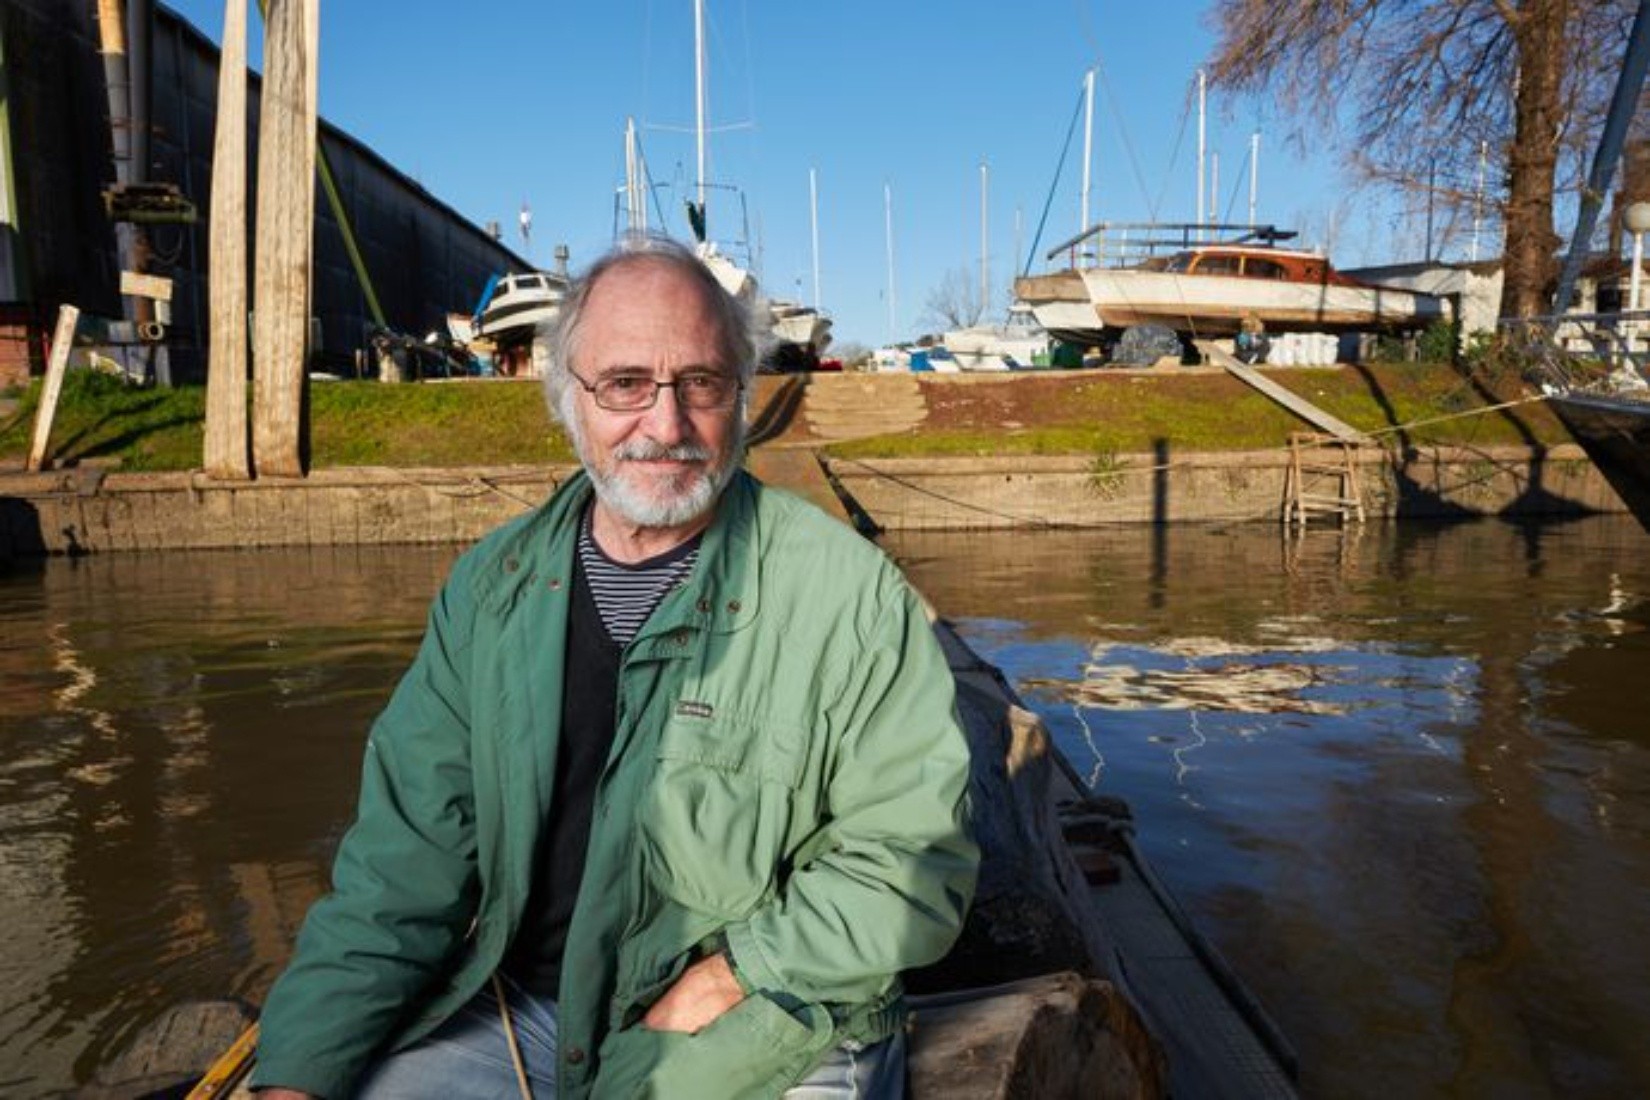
x,y
425,259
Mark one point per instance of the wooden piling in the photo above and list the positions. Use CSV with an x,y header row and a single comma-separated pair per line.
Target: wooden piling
x,y
226,456
282,248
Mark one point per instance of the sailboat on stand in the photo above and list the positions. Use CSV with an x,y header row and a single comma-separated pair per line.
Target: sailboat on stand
x,y
797,333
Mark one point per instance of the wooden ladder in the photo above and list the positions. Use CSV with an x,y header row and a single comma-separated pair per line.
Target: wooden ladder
x,y
1321,482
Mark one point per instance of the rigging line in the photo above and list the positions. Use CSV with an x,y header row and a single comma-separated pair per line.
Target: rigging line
x,y
1059,169
1174,155
647,181
1128,144
1240,180
1458,416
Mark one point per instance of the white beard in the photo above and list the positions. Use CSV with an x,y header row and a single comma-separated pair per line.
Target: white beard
x,y
660,505
684,503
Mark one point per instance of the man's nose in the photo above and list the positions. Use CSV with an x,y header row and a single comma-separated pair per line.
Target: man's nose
x,y
667,421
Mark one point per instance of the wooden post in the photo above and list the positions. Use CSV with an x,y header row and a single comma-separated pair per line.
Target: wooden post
x,y
62,340
285,226
226,455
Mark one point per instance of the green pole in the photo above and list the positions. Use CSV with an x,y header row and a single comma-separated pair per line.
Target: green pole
x,y
339,215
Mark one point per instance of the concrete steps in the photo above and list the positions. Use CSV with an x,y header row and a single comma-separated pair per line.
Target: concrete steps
x,y
852,406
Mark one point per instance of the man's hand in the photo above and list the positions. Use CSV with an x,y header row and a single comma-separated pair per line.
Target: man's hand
x,y
703,992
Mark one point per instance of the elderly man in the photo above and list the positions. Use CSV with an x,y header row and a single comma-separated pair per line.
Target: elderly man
x,y
673,790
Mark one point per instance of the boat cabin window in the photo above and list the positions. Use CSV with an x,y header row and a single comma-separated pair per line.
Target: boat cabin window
x,y
1219,265
1180,261
1258,268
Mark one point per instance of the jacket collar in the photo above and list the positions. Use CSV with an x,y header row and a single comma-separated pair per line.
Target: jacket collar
x,y
722,596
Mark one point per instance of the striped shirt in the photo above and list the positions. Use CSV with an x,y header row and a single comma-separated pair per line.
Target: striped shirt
x,y
625,594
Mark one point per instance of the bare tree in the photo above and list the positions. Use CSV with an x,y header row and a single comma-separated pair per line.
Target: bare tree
x,y
1421,83
955,302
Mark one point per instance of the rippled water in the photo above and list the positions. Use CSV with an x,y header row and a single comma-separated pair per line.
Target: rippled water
x,y
179,741
1402,778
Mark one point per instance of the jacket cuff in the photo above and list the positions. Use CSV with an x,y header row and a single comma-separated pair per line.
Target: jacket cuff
x,y
750,965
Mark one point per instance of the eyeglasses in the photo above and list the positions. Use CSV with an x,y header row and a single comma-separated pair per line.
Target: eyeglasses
x,y
636,392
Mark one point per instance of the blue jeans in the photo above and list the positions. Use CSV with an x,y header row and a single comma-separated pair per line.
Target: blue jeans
x,y
467,1058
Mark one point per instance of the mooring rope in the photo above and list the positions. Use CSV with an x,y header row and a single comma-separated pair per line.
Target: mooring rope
x,y
1158,467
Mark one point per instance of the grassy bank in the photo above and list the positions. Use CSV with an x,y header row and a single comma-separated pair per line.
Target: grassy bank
x,y
1100,413
100,419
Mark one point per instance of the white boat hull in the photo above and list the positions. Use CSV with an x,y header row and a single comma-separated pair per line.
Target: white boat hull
x,y
1215,305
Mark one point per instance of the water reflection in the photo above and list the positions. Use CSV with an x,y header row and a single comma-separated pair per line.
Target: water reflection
x,y
178,746
1401,774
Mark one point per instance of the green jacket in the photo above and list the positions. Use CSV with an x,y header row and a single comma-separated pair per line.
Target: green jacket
x,y
787,778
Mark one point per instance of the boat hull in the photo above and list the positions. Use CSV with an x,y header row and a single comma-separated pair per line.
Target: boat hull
x,y
1060,303
1615,433
1216,305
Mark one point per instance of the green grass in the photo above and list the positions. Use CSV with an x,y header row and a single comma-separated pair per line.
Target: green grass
x,y
101,418
1130,414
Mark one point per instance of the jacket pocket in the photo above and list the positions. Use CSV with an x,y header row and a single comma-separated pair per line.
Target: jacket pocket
x,y
716,817
754,1049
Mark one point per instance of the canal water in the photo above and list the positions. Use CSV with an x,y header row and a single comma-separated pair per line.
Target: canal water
x,y
1401,776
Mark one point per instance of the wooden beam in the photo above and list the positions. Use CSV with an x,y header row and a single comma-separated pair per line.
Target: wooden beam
x,y
1296,404
226,456
285,226
156,288
62,341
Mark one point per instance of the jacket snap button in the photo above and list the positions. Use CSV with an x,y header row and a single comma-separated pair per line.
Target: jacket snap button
x,y
511,565
703,606
555,584
575,1056
733,606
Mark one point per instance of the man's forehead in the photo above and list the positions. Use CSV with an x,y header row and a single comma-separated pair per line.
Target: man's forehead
x,y
620,279
648,307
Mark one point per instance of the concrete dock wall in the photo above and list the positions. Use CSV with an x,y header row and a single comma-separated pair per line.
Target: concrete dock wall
x,y
1074,491
82,511
79,511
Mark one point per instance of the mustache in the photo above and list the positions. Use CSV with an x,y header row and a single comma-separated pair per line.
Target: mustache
x,y
648,450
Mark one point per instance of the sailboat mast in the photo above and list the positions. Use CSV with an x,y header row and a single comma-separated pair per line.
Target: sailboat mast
x,y
985,242
699,101
1254,174
813,221
888,232
1214,186
1202,143
635,204
1088,149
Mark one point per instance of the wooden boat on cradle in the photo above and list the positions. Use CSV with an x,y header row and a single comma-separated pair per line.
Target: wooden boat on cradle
x,y
1076,975
1212,289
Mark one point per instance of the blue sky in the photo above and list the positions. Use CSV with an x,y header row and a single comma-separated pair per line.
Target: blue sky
x,y
493,104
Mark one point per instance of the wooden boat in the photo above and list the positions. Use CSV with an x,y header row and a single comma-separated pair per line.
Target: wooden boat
x,y
1076,975
1213,290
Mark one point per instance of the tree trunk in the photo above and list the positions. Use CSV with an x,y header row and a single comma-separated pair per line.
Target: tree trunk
x,y
1530,266
226,454
285,221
